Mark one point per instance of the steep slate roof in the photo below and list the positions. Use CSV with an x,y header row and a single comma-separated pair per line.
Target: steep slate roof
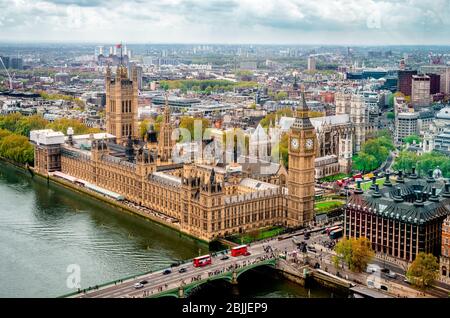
x,y
406,207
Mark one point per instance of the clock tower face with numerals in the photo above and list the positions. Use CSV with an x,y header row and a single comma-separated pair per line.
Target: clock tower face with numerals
x,y
301,173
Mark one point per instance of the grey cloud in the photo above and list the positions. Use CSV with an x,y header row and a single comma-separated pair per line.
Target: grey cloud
x,y
80,3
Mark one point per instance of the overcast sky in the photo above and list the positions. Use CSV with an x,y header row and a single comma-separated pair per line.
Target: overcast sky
x,y
227,21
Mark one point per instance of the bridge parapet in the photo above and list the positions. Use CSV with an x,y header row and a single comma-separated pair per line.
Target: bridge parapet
x,y
231,276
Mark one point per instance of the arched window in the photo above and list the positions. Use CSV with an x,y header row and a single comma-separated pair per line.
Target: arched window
x,y
444,271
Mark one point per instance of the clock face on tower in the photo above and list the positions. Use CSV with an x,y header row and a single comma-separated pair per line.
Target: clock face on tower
x,y
295,143
309,144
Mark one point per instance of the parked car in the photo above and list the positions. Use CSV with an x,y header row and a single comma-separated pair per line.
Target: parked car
x,y
167,272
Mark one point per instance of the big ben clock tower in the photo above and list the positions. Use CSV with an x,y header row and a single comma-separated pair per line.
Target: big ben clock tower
x,y
302,152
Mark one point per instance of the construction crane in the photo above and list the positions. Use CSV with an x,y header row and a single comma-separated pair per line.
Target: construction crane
x,y
9,75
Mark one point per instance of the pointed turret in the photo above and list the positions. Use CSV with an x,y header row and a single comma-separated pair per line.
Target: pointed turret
x,y
302,115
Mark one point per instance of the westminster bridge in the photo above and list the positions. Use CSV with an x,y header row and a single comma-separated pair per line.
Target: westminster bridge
x,y
181,283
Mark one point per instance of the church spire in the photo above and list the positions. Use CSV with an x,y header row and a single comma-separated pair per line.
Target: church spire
x,y
166,110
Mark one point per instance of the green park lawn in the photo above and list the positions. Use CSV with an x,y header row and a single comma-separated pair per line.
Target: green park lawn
x,y
257,235
326,206
366,185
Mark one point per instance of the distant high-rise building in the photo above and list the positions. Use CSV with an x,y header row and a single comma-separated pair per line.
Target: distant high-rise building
x,y
402,65
420,90
443,71
405,81
406,125
311,63
132,66
435,83
16,63
5,60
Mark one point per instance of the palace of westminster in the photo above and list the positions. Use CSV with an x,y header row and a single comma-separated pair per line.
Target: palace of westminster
x,y
207,199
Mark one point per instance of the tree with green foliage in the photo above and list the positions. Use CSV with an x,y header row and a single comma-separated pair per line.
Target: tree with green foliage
x,y
164,86
281,150
143,128
412,139
281,96
22,125
62,124
373,152
16,147
187,122
364,162
356,253
270,118
423,271
390,115
206,86
406,160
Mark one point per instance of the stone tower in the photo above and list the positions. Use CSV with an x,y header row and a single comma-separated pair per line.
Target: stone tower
x,y
342,101
165,136
302,153
121,104
358,118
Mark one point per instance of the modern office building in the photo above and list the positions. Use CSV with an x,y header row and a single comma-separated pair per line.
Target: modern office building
x,y
311,63
16,63
420,91
405,81
403,218
405,125
435,83
443,71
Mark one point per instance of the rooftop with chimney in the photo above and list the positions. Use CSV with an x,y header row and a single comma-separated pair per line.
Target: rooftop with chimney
x,y
409,198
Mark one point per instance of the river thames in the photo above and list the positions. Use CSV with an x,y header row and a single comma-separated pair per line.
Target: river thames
x,y
44,228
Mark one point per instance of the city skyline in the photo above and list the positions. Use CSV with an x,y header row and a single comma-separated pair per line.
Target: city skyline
x,y
257,22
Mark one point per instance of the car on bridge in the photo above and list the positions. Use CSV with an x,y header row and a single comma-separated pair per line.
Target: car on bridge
x,y
138,285
224,258
391,274
167,272
182,270
143,282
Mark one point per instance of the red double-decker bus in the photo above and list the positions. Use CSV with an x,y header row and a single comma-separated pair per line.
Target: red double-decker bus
x,y
239,250
331,229
202,260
